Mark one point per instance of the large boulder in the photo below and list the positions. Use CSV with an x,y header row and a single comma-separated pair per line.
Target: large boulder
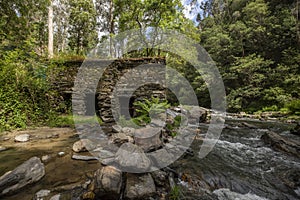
x,y
132,158
29,172
108,182
281,143
139,186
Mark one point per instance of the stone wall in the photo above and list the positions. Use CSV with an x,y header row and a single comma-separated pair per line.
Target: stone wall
x,y
120,82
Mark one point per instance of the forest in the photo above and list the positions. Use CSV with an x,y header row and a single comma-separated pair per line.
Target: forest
x,y
254,43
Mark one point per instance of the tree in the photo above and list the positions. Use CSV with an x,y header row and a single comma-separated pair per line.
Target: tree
x,y
50,30
61,9
255,45
82,30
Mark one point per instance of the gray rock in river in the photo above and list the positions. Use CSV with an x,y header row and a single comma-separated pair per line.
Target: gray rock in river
x,y
82,145
40,195
84,158
296,130
132,158
22,138
139,186
108,182
55,197
281,143
148,138
197,113
117,128
29,172
251,126
2,148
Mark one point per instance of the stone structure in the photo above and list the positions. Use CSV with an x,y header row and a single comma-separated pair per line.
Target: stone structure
x,y
118,82
117,79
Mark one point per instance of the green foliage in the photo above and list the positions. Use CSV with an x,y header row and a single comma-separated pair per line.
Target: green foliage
x,y
83,33
175,124
294,106
147,109
60,121
23,89
270,108
176,193
127,123
256,48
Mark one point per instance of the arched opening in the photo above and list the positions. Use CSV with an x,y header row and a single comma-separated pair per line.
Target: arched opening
x,y
126,110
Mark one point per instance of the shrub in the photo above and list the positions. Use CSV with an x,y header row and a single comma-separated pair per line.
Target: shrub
x,y
294,106
147,109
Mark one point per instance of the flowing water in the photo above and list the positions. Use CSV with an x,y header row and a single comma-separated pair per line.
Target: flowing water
x,y
241,166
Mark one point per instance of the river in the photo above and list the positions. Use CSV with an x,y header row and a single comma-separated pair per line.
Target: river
x,y
241,166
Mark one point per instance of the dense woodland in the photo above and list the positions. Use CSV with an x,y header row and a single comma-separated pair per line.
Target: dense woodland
x,y
255,44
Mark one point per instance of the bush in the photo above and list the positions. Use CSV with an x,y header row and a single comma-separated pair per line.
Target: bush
x,y
147,109
270,108
26,95
294,106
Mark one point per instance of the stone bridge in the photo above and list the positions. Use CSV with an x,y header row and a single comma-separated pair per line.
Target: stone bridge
x,y
102,97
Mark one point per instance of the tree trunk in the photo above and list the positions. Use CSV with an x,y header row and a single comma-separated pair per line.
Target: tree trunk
x,y
50,30
111,28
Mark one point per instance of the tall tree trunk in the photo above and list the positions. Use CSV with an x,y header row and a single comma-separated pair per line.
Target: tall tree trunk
x,y
50,30
111,28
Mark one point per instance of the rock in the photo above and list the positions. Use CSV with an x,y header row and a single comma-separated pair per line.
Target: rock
x,y
173,113
41,194
108,182
132,158
249,125
82,145
61,153
157,122
121,138
84,158
296,130
162,157
88,195
139,186
128,131
46,158
160,177
2,148
107,161
5,138
197,114
103,154
148,138
52,136
22,138
117,128
281,143
55,197
29,172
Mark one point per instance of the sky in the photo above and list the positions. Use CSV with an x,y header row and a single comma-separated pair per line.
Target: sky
x,y
191,11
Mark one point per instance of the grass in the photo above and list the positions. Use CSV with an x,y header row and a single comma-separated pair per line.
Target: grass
x,y
70,120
